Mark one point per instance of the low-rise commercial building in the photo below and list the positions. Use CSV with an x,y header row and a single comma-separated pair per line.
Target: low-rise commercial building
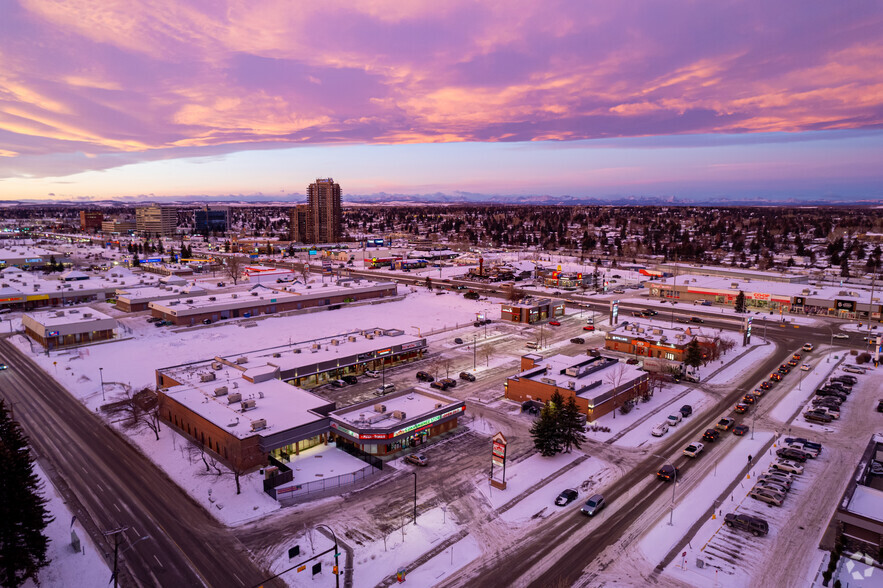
x,y
859,515
54,329
531,310
26,257
653,341
261,300
396,421
240,411
847,301
137,299
598,384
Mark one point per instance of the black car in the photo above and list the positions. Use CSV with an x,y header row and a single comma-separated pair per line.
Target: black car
x,y
686,410
449,382
711,435
467,376
696,319
792,454
207,321
578,340
667,472
845,378
740,430
424,377
350,379
754,525
566,497
458,341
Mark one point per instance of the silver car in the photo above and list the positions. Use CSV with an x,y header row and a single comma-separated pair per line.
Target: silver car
x,y
593,505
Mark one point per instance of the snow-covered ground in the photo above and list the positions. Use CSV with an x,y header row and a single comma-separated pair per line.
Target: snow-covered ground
x,y
524,474
734,369
804,383
68,567
377,560
640,436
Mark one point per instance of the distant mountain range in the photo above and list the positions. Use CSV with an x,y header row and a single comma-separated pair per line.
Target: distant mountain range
x,y
440,198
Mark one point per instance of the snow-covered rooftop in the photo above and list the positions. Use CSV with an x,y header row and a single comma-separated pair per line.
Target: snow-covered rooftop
x,y
782,289
613,375
413,403
867,502
58,318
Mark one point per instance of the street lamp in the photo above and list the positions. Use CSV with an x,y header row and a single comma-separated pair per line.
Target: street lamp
x,y
828,357
336,554
673,488
101,375
474,339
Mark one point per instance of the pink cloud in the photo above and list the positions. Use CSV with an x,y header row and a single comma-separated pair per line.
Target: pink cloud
x,y
113,76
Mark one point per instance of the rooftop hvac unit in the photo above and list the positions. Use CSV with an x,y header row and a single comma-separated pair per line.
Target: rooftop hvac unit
x,y
438,405
235,296
207,377
315,346
220,391
258,424
241,360
249,405
323,285
254,293
369,335
216,365
379,408
81,286
212,298
657,331
59,313
399,414
351,339
335,342
297,350
277,355
571,385
87,315
378,332
234,397
190,301
548,381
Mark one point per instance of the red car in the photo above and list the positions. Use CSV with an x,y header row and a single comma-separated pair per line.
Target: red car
x,y
555,323
589,328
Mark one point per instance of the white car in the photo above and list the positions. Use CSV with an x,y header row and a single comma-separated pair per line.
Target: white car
x,y
372,373
805,367
694,449
808,347
841,336
784,465
673,419
659,430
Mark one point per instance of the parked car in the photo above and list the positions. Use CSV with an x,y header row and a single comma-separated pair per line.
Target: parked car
x,y
792,454
787,466
853,369
711,435
578,340
725,424
782,478
153,319
372,373
566,497
846,379
417,459
338,383
439,385
593,505
458,340
740,430
879,405
811,451
467,376
449,382
659,430
741,408
424,377
673,419
350,379
829,410
686,410
813,444
385,389
754,525
694,449
588,328
768,496
817,417
667,472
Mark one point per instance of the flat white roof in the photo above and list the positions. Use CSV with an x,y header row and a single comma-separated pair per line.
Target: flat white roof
x,y
867,502
83,315
680,335
782,289
282,405
558,363
414,403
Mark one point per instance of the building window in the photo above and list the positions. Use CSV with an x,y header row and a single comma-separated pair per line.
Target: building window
x,y
670,356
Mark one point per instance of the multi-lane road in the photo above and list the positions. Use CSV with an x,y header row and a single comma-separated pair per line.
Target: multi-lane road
x,y
111,485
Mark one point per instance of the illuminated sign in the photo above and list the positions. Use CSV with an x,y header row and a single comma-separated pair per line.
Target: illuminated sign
x,y
344,430
428,421
619,338
34,260
52,334
384,351
412,345
153,260
312,252
848,305
614,311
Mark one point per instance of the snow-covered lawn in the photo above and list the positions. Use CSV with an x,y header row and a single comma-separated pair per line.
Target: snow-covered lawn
x,y
524,474
803,383
68,567
640,436
736,369
376,560
321,462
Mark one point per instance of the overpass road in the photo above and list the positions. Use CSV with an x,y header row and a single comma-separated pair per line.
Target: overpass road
x,y
109,484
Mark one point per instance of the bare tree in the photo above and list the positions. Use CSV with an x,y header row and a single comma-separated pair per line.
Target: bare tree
x,y
233,267
487,350
446,364
305,271
139,410
615,378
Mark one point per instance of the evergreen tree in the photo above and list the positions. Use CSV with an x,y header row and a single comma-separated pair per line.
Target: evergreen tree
x,y
135,261
544,431
740,302
23,514
693,355
571,425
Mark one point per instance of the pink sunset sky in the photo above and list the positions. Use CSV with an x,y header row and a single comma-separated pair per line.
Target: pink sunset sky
x,y
109,98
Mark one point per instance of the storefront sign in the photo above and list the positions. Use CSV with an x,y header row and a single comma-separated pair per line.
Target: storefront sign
x,y
344,430
15,299
798,301
386,351
52,334
619,338
428,421
847,305
499,449
413,345
758,296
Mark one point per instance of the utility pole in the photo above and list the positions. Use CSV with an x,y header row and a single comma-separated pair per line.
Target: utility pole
x,y
101,375
116,550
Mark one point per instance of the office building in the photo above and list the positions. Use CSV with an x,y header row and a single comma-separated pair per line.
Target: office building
x,y
323,222
120,227
156,220
211,219
90,221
